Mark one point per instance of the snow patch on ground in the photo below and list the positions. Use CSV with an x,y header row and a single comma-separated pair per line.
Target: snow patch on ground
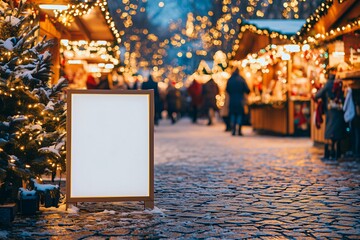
x,y
344,189
25,234
156,210
109,211
3,234
73,209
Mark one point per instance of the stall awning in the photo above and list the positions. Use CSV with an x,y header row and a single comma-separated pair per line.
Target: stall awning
x,y
286,27
90,26
332,19
260,33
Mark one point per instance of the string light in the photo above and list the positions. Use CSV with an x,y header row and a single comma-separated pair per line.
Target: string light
x,y
105,50
254,29
333,33
79,8
315,17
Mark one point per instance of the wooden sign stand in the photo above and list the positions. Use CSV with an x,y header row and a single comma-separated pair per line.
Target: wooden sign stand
x,y
110,146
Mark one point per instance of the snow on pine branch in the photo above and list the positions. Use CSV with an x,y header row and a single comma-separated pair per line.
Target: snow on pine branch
x,y
63,82
19,118
38,71
42,93
55,149
35,127
44,187
50,106
12,20
8,44
28,36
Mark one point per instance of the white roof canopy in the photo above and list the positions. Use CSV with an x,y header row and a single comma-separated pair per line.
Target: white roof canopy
x,y
288,27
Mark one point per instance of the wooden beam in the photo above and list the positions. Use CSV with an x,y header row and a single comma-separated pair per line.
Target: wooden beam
x,y
48,28
336,11
83,28
351,13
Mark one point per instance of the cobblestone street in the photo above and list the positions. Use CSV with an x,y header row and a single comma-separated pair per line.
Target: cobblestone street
x,y
209,184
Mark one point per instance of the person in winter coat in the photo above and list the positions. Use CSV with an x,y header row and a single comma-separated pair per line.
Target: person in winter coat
x,y
236,88
91,82
151,84
224,113
104,83
333,98
173,100
209,91
194,91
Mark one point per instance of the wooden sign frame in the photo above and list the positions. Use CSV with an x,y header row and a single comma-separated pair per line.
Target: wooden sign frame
x,y
74,151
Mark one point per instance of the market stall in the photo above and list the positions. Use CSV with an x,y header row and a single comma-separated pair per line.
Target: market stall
x,y
334,26
84,35
279,82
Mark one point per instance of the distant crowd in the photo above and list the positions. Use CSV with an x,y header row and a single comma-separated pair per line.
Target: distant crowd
x,y
198,100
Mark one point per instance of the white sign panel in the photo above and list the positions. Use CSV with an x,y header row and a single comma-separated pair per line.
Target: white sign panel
x,y
110,145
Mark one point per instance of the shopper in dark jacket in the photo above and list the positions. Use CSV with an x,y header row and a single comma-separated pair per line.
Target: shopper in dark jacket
x,y
194,91
173,100
236,88
333,99
151,84
209,91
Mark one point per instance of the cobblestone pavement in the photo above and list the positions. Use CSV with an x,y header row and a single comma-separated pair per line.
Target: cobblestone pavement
x,y
209,184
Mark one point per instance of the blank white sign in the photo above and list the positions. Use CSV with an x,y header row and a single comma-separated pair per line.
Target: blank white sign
x,y
110,145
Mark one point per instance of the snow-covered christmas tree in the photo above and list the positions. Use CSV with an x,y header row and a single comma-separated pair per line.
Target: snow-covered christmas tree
x,y
32,114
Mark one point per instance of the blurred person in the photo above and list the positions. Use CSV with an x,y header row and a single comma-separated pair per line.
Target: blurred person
x,y
136,83
121,82
151,84
194,91
104,83
236,88
91,82
209,91
224,113
79,79
332,97
173,100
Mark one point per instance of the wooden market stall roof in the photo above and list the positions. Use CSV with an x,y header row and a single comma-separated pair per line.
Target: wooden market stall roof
x,y
94,24
90,26
331,19
258,34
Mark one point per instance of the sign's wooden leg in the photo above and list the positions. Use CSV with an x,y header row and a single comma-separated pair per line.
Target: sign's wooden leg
x,y
149,204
